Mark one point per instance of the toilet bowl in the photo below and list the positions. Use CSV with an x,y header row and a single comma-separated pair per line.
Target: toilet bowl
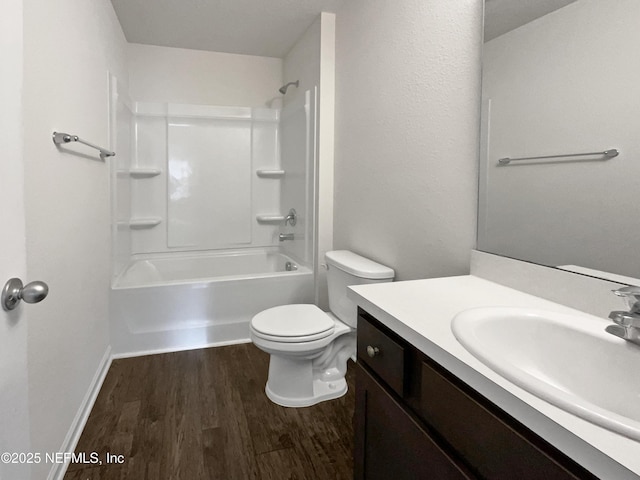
x,y
309,348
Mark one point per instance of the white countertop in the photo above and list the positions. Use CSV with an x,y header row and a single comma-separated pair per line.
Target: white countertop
x,y
421,311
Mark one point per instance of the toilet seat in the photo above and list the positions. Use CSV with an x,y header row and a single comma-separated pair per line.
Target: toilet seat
x,y
292,324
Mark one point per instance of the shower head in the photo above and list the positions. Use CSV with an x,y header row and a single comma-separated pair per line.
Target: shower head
x,y
284,88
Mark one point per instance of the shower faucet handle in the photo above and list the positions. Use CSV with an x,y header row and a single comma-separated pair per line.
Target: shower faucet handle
x,y
292,218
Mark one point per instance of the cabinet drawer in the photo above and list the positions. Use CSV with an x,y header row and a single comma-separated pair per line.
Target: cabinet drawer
x,y
384,355
484,440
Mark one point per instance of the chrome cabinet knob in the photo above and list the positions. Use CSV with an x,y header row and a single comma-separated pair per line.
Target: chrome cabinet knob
x,y
14,291
372,351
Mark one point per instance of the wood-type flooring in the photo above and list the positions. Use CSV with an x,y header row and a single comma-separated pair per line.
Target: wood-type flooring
x,y
203,414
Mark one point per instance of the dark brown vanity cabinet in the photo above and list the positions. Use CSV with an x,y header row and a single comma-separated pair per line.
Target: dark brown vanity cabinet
x,y
391,443
414,420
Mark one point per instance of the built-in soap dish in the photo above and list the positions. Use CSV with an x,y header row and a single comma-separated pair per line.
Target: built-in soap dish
x,y
270,173
140,223
141,172
270,218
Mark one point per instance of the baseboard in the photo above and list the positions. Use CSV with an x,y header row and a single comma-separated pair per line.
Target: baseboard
x,y
77,426
157,351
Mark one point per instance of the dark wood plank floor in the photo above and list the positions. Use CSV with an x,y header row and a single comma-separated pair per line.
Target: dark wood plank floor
x,y
203,414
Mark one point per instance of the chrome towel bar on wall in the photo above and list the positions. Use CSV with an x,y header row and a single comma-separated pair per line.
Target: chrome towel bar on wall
x,y
612,152
62,138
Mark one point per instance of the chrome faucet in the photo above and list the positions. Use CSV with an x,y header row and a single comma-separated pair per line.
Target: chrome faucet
x,y
285,236
627,322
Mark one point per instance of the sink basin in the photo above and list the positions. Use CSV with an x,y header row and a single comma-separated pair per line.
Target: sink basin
x,y
566,360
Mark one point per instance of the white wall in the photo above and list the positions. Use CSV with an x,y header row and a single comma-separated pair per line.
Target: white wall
x,y
407,113
69,48
568,82
177,75
312,62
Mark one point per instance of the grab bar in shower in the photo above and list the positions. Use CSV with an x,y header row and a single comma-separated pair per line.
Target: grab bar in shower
x,y
612,152
62,138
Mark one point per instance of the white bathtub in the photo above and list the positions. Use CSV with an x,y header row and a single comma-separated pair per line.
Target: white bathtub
x,y
167,302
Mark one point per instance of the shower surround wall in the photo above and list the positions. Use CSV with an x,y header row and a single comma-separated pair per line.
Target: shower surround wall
x,y
208,186
204,186
186,84
195,183
121,123
297,161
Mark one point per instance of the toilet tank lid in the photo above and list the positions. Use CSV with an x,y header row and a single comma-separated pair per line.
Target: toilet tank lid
x,y
354,264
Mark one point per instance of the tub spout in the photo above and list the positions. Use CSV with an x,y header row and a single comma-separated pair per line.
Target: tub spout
x,y
285,236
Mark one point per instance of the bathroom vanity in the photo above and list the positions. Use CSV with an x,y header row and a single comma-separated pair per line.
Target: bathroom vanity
x,y
427,408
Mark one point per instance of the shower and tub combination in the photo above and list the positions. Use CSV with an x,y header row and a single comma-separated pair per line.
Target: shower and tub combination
x,y
213,219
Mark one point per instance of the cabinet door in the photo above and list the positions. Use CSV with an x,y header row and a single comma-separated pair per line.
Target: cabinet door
x,y
495,447
390,444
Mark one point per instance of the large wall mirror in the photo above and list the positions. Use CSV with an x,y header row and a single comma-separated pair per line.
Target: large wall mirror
x,y
561,83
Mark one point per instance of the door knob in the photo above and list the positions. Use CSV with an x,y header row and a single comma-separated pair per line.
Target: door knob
x,y
14,291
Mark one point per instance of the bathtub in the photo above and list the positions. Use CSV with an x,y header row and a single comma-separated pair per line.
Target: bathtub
x,y
180,301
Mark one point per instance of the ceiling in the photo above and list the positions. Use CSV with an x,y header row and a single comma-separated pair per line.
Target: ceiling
x,y
251,27
270,27
502,16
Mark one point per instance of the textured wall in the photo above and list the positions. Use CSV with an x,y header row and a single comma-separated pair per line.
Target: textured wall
x,y
69,48
407,113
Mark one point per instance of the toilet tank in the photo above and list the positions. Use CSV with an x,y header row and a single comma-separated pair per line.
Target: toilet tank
x,y
345,268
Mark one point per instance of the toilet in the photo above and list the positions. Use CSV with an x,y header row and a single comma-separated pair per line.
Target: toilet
x,y
309,348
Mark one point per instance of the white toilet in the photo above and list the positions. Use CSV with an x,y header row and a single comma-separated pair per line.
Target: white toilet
x,y
309,348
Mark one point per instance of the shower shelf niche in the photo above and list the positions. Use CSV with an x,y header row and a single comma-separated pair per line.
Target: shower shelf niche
x,y
147,222
270,218
139,172
270,173
144,172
